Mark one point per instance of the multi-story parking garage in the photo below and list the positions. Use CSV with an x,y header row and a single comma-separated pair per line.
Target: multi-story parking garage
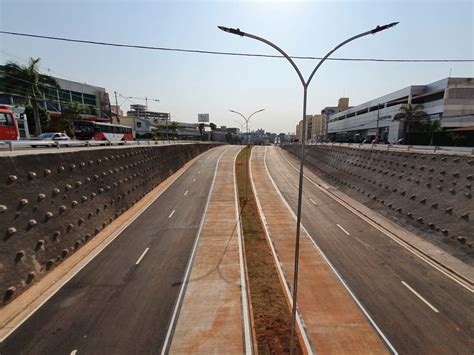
x,y
450,100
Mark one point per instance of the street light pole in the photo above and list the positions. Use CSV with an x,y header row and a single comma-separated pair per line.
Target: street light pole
x,y
305,84
247,119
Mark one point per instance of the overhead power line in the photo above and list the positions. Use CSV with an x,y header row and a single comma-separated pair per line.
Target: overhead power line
x,y
110,44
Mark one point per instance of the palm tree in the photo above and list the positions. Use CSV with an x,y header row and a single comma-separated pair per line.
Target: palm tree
x,y
30,83
411,116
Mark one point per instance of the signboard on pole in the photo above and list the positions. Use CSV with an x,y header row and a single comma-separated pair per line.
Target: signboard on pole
x,y
203,117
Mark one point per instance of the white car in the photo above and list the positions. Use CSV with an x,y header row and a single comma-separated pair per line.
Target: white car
x,y
47,139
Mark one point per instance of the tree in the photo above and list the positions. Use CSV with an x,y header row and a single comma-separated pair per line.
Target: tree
x,y
71,113
30,83
213,126
411,116
201,129
173,126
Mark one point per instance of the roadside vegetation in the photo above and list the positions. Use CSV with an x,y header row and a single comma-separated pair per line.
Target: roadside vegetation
x,y
271,313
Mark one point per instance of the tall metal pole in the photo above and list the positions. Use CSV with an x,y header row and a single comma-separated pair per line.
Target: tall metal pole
x,y
247,119
300,188
378,118
116,108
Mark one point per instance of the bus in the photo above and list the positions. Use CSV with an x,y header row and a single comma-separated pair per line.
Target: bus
x,y
98,131
8,125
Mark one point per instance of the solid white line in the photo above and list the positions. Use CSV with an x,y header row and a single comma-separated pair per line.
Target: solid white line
x,y
389,234
313,202
243,278
87,259
186,193
361,307
74,352
342,229
141,256
289,295
166,343
420,297
172,213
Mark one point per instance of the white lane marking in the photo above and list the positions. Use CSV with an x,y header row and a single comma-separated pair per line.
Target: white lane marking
x,y
243,271
186,193
343,229
9,329
281,273
356,300
172,213
141,256
177,306
86,260
420,297
199,172
74,352
415,251
313,202
194,180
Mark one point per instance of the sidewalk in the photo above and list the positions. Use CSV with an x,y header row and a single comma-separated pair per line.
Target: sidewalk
x,y
332,321
214,316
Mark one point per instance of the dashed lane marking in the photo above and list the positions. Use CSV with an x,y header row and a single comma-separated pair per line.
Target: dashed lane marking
x,y
433,308
341,228
141,256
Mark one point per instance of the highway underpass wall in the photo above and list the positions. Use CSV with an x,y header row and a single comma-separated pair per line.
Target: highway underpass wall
x,y
428,194
51,204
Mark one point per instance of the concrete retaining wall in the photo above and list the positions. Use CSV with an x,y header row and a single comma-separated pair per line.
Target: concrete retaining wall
x,y
51,204
429,194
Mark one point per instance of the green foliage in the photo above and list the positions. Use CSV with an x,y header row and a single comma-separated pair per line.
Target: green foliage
x,y
213,126
26,81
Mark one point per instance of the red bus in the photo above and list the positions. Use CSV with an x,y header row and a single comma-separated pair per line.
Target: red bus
x,y
98,131
8,125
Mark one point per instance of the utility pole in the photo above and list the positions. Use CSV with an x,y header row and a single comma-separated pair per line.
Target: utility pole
x,y
378,118
116,108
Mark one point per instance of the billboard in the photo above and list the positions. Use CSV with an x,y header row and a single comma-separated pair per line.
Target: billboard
x,y
203,117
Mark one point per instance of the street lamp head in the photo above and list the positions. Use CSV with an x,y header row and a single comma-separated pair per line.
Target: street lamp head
x,y
384,27
234,31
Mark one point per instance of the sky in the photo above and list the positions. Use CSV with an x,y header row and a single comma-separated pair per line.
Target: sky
x,y
187,84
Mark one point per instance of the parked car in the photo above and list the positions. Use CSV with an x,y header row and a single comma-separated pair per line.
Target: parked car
x,y
49,136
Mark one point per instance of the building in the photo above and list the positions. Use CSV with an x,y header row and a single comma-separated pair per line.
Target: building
x,y
141,111
299,131
116,110
450,100
93,100
317,129
309,128
342,105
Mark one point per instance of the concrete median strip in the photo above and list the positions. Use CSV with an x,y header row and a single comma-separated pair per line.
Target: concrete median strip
x,y
331,318
16,313
214,317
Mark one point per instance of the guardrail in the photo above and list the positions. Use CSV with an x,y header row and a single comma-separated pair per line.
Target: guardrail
x,y
430,148
11,145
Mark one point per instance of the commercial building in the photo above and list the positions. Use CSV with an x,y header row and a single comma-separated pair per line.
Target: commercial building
x,y
450,100
93,100
316,125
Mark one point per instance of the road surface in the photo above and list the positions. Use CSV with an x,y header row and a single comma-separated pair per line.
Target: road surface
x,y
122,301
418,308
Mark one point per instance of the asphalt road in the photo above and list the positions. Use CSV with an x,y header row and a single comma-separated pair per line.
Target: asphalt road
x,y
123,300
419,309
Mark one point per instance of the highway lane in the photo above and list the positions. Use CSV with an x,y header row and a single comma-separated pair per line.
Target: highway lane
x,y
122,301
417,307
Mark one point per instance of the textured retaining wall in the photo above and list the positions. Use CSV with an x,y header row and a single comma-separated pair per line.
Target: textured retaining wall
x,y
51,204
429,194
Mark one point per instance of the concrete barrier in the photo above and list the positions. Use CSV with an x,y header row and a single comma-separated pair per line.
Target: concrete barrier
x,y
50,204
431,192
